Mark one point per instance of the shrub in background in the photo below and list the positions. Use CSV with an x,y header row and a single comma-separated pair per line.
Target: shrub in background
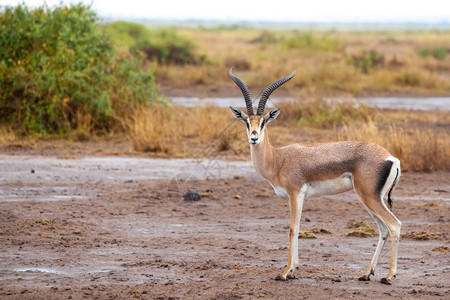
x,y
59,72
265,37
309,40
165,45
438,53
367,60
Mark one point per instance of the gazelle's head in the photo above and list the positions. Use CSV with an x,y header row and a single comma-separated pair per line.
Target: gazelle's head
x,y
256,123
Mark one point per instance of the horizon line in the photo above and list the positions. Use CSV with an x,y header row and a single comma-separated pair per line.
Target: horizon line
x,y
426,21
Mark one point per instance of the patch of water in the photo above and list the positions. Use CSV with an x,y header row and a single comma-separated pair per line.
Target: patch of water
x,y
408,103
353,266
67,197
100,270
237,102
41,270
72,271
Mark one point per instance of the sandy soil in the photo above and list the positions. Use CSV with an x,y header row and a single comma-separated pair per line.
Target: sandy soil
x,y
103,228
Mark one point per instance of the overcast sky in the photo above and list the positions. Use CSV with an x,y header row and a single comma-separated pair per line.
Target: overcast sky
x,y
275,10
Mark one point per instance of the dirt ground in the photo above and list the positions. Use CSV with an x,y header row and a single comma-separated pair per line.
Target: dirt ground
x,y
138,238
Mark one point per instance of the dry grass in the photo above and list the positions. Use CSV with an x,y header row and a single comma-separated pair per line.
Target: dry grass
x,y
363,229
311,233
422,235
420,140
318,113
444,249
6,136
321,59
306,234
155,130
181,131
418,149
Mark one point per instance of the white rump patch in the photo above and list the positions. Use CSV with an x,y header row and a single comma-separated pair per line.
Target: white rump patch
x,y
392,175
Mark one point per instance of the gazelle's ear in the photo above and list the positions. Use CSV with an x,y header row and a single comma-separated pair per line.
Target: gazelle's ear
x,y
272,115
239,114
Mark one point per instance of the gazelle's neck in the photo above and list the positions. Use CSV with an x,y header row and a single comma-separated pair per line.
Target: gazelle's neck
x,y
263,156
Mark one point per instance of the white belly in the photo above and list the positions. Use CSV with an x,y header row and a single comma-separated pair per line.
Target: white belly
x,y
334,186
337,185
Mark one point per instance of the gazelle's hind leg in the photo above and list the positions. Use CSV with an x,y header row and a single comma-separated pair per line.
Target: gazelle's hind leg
x,y
385,219
383,233
387,223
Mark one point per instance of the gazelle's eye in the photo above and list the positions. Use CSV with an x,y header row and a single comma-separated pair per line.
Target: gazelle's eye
x,y
262,124
248,125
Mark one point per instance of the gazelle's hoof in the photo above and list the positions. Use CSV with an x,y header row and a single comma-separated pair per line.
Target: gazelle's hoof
x,y
280,278
385,281
364,278
291,276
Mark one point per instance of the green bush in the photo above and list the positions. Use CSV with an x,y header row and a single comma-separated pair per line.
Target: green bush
x,y
126,34
366,60
59,72
265,37
162,45
438,53
308,40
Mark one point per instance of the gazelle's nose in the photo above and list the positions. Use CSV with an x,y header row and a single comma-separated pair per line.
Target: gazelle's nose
x,y
254,137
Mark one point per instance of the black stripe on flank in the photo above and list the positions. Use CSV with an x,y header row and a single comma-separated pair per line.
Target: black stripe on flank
x,y
384,172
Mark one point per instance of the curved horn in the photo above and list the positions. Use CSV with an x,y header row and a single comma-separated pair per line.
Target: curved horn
x,y
266,94
245,92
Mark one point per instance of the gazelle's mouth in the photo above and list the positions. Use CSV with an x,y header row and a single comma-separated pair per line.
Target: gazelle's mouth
x,y
255,142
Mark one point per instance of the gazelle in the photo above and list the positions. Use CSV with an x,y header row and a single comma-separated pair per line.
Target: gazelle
x,y
298,172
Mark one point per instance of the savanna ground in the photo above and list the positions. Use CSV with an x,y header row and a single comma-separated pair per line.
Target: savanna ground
x,y
109,235
68,232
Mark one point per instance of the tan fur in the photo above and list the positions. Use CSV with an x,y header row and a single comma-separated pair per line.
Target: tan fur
x,y
293,168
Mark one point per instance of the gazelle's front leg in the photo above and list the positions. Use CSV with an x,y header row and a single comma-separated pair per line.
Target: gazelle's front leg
x,y
295,205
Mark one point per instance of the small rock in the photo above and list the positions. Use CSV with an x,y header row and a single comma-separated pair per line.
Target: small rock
x,y
191,196
237,197
32,171
307,219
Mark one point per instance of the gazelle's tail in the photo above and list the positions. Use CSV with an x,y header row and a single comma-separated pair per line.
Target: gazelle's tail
x,y
390,202
396,167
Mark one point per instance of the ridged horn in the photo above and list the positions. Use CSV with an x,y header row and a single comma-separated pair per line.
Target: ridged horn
x,y
266,93
245,92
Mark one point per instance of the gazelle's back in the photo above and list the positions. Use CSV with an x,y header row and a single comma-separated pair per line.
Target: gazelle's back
x,y
330,160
